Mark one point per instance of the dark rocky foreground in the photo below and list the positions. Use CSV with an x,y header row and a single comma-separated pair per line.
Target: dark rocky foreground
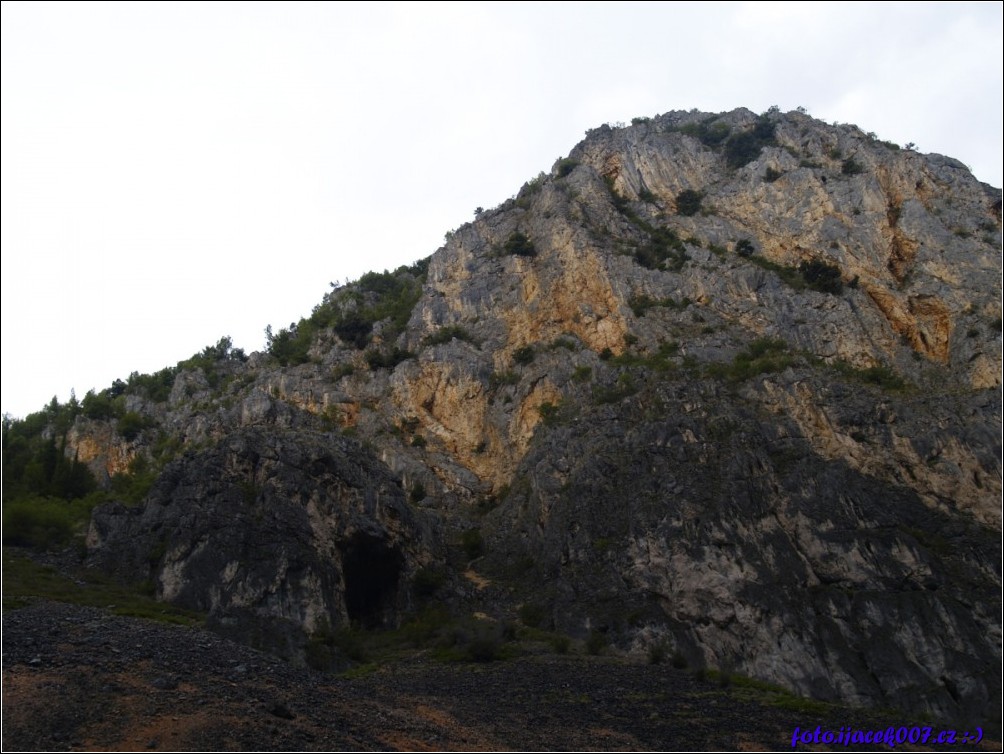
x,y
77,678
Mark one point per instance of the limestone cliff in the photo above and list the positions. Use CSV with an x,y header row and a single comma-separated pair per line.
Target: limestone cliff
x,y
727,383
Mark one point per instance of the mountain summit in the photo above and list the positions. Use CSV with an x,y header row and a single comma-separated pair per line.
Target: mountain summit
x,y
724,386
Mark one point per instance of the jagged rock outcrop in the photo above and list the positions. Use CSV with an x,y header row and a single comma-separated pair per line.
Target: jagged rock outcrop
x,y
270,528
726,383
701,519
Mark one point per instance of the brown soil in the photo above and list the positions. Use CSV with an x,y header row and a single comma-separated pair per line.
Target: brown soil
x,y
77,678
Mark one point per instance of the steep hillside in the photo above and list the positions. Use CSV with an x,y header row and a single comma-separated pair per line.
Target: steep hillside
x,y
723,385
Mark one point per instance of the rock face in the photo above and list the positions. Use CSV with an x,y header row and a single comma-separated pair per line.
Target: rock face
x,y
724,383
271,528
707,521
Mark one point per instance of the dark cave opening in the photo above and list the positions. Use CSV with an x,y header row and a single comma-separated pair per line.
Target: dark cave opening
x,y
371,571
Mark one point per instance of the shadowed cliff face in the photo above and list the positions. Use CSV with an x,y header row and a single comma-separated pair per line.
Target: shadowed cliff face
x,y
728,384
697,518
296,530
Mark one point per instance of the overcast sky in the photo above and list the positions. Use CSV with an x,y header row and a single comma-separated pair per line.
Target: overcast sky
x,y
174,172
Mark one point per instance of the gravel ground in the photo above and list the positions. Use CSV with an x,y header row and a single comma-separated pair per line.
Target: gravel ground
x,y
78,678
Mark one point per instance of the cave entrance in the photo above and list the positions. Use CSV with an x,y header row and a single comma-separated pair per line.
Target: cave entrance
x,y
371,571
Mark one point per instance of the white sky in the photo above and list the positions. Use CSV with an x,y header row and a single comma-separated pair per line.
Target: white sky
x,y
173,173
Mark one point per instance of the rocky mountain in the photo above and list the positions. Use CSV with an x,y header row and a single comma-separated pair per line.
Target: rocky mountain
x,y
725,384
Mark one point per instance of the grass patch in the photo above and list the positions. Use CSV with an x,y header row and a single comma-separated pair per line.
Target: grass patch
x,y
623,388
880,375
446,334
762,356
788,275
549,413
640,304
501,379
387,358
762,692
25,581
45,523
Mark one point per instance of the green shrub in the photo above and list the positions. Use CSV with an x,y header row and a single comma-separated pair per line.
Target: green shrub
x,y
533,186
743,148
582,373
763,355
519,245
548,413
621,203
35,465
815,274
745,248
387,358
763,346
342,370
326,647
788,275
623,388
879,374
156,387
821,276
566,166
133,485
569,344
560,643
132,423
663,251
432,621
448,333
375,297
500,379
99,406
43,523
850,166
688,202
523,355
710,134
669,349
